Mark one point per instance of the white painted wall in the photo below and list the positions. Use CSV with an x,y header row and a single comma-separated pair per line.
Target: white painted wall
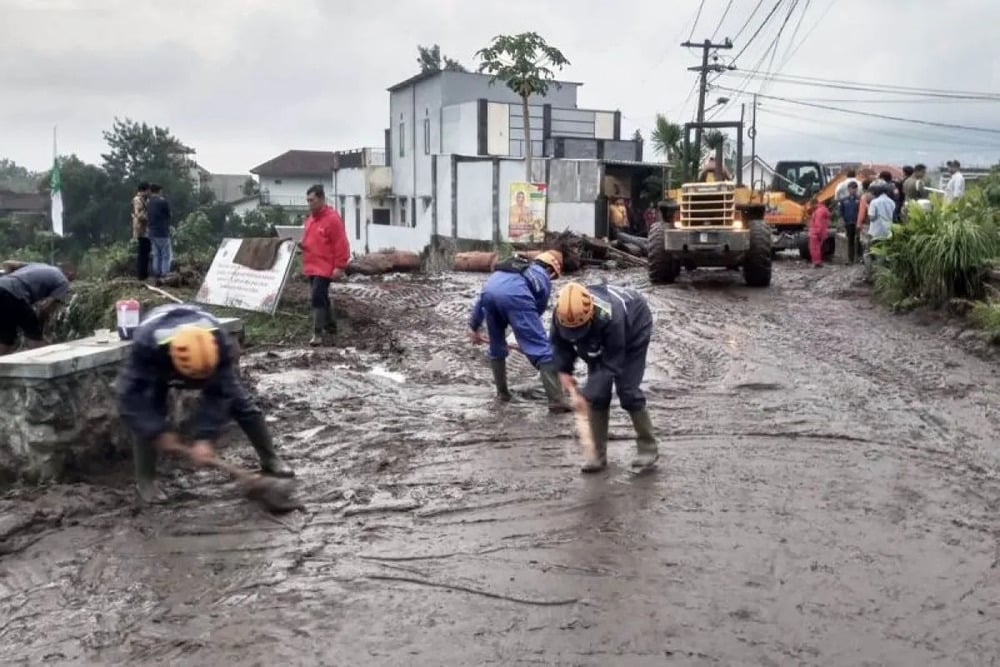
x,y
498,128
291,190
409,108
443,196
244,207
459,128
577,217
475,200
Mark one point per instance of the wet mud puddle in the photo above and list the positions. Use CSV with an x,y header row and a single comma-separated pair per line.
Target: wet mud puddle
x,y
827,494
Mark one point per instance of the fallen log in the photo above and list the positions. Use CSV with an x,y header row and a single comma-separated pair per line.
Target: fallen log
x,y
378,263
476,261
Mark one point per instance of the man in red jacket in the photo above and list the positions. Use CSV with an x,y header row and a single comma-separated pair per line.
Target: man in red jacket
x,y
325,254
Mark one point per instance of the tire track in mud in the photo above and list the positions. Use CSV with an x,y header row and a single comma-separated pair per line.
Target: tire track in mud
x,y
820,499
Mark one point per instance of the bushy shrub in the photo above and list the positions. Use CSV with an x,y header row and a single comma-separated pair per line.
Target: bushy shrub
x,y
939,254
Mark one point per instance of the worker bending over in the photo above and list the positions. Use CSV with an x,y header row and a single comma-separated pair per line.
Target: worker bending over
x,y
183,346
609,328
34,285
516,295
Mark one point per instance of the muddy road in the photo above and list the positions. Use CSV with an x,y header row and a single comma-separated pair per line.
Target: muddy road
x,y
827,494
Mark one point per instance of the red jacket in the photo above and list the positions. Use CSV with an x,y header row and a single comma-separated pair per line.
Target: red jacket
x,y
324,244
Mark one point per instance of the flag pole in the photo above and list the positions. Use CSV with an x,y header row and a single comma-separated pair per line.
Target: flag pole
x,y
52,238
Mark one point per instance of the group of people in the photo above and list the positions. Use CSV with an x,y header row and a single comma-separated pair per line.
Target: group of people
x,y
151,222
869,208
608,327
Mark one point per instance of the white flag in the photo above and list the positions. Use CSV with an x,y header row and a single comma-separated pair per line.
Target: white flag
x,y
55,185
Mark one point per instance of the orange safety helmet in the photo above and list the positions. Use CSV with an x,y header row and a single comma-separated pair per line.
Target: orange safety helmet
x,y
553,260
574,306
194,352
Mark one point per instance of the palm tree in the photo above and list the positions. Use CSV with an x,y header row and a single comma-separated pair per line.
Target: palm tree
x,y
665,137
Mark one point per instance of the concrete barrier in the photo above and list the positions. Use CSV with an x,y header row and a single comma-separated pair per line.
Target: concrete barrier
x,y
59,408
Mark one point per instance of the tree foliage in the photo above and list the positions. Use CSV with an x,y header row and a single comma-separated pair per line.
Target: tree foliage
x,y
666,137
430,60
15,178
525,64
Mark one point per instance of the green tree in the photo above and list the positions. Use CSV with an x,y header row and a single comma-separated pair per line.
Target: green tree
x,y
91,214
665,137
16,178
524,63
430,60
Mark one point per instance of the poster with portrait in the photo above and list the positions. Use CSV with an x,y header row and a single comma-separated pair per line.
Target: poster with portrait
x,y
526,217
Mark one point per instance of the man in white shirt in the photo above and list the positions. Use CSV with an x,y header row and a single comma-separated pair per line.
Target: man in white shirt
x,y
881,211
956,184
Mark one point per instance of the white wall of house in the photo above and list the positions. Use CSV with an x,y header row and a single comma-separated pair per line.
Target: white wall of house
x,y
475,200
415,135
291,190
459,128
241,208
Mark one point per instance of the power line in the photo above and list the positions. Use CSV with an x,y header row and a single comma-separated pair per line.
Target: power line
x,y
776,40
869,114
759,28
725,13
697,17
795,32
870,87
806,37
749,18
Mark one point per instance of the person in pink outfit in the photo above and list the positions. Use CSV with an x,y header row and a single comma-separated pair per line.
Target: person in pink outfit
x,y
819,227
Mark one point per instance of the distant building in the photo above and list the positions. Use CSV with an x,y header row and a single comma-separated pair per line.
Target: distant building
x,y
23,204
283,180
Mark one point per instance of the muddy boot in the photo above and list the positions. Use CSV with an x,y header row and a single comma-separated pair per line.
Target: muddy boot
x,y
499,368
645,440
260,437
599,420
553,389
144,457
320,323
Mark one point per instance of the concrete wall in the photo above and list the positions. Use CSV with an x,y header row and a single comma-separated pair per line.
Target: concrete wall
x,y
458,87
291,190
459,128
409,108
475,200
574,187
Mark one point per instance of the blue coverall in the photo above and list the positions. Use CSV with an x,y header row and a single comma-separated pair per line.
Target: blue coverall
x,y
518,300
148,374
613,346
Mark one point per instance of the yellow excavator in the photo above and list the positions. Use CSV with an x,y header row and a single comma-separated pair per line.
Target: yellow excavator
x,y
794,185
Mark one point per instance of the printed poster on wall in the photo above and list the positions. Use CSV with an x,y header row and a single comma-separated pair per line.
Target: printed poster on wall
x,y
526,220
233,285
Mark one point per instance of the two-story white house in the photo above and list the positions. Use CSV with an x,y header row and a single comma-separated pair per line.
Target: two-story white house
x,y
283,180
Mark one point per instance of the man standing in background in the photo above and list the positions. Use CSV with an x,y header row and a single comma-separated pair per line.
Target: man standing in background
x,y
158,217
849,208
325,254
140,231
956,184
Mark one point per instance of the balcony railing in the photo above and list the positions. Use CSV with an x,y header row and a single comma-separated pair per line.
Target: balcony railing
x,y
285,201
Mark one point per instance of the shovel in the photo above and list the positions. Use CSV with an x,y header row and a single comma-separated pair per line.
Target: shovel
x,y
274,495
583,434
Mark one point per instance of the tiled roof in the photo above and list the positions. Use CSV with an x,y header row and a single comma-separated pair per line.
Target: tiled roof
x,y
23,202
298,163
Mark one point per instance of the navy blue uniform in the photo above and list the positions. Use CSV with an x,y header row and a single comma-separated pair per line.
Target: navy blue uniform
x,y
518,299
613,346
149,373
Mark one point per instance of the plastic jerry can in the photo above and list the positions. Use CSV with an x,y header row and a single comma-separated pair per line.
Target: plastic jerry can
x,y
128,317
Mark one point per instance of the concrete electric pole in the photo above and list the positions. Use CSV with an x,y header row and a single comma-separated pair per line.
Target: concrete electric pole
x,y
706,48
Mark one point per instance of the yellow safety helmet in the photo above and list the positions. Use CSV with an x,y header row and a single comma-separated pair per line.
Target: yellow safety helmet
x,y
194,352
574,306
553,260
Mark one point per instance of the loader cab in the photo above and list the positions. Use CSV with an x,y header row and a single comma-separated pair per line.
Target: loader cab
x,y
799,180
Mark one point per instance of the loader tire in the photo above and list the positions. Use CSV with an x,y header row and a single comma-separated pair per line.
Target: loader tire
x,y
663,269
757,263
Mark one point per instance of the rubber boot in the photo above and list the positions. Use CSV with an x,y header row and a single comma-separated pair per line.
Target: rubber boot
x,y
260,437
144,458
499,368
320,323
553,389
599,421
645,440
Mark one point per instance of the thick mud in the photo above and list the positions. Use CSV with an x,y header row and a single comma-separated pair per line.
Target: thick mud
x,y
827,494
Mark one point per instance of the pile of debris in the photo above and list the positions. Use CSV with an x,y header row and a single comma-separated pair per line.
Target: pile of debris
x,y
579,251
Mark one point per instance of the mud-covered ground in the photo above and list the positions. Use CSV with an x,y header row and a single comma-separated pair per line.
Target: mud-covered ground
x,y
827,494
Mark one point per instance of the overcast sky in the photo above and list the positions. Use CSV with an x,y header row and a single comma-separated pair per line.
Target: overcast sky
x,y
244,80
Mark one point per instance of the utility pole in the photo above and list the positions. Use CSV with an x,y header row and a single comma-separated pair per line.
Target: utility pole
x,y
706,47
753,142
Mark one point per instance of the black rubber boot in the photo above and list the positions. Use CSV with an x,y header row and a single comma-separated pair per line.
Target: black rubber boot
x,y
144,458
599,421
499,368
320,318
260,437
553,389
645,440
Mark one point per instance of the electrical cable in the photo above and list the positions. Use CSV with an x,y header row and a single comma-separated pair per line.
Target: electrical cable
x,y
725,13
701,5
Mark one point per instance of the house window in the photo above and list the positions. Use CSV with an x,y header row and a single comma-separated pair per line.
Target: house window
x,y
343,206
402,212
357,217
277,181
427,136
380,216
402,139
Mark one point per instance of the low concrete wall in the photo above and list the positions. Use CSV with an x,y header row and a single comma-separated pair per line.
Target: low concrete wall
x,y
59,408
